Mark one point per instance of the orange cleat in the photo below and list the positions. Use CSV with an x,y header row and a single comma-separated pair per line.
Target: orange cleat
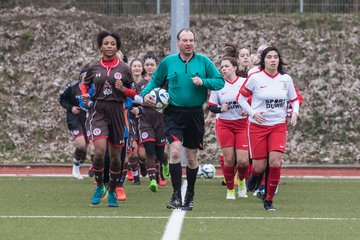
x,y
120,194
130,176
162,182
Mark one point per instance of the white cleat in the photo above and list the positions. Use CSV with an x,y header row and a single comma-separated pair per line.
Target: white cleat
x,y
242,189
230,194
76,172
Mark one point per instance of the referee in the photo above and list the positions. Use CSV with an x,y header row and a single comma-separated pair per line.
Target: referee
x,y
188,76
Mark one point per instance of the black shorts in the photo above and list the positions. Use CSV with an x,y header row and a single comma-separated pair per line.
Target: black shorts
x,y
106,120
185,124
151,127
76,125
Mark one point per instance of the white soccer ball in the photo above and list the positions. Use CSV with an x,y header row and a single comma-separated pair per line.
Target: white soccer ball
x,y
161,97
208,171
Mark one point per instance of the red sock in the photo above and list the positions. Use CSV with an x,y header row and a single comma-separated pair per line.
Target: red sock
x,y
222,164
273,181
229,177
242,172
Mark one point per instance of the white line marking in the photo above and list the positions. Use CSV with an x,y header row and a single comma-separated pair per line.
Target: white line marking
x,y
201,218
174,225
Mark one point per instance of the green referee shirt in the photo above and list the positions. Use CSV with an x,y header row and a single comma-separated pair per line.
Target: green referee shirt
x,y
178,73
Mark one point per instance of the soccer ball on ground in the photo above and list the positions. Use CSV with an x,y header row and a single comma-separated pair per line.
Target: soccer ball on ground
x,y
208,171
161,97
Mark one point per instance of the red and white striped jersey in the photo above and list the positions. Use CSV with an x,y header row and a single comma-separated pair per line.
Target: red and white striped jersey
x,y
270,95
228,95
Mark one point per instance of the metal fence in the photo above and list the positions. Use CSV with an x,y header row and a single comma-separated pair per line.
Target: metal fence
x,y
139,7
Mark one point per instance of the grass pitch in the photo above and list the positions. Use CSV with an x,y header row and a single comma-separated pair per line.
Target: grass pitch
x,y
59,208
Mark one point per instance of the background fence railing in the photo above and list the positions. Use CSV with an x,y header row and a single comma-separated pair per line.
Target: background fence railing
x,y
139,7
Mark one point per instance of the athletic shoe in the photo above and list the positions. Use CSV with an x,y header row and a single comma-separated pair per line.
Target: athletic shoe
x,y
143,170
268,206
175,201
254,182
153,185
255,192
111,198
98,194
162,182
136,180
242,189
104,198
90,172
189,202
230,194
165,170
120,194
130,176
76,172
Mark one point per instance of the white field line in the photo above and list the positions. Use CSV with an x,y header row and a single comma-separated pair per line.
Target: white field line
x,y
179,227
174,225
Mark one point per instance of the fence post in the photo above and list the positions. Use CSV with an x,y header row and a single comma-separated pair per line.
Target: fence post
x,y
301,6
180,14
158,8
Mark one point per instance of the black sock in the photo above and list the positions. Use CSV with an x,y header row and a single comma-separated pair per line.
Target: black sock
x,y
191,175
176,174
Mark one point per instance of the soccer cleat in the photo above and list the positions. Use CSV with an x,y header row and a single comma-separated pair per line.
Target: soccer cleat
x,y
90,172
230,194
98,194
104,198
261,192
111,198
268,206
143,170
254,182
136,180
153,185
76,172
242,189
120,194
189,202
175,201
162,181
165,170
130,176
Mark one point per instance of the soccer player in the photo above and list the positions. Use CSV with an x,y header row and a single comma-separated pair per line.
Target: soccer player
x,y
76,117
189,75
113,83
231,124
271,90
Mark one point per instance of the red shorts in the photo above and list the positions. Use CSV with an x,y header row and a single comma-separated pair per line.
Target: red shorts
x,y
265,139
232,133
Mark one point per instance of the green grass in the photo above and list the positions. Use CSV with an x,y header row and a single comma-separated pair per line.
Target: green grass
x,y
307,209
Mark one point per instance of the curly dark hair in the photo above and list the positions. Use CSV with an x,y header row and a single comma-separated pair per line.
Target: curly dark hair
x,y
103,34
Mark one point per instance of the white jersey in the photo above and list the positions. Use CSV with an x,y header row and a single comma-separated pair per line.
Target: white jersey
x,y
228,95
270,95
254,69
